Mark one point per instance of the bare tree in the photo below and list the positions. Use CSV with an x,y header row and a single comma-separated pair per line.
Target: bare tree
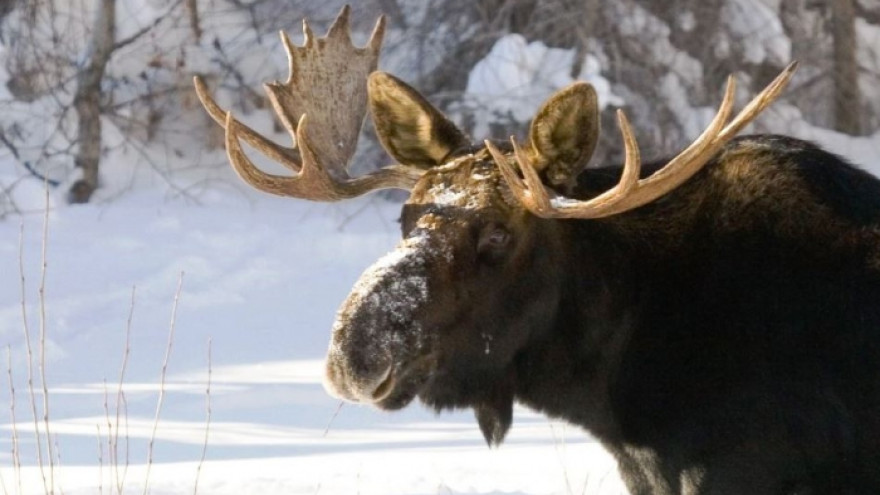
x,y
665,61
847,98
87,102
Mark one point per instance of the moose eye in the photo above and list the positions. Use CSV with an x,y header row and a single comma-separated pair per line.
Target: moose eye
x,y
493,242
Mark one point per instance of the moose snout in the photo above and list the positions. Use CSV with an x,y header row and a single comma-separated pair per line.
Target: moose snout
x,y
371,385
378,327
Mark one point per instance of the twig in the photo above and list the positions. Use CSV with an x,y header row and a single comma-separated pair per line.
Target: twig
x,y
45,178
100,461
127,438
3,483
7,201
26,164
162,383
207,423
16,455
146,29
15,467
120,397
58,462
109,428
42,296
333,418
194,24
560,454
30,360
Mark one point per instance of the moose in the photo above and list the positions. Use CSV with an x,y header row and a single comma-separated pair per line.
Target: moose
x,y
713,319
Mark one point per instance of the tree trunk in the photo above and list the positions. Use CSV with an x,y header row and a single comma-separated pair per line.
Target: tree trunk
x,y
845,69
87,102
195,24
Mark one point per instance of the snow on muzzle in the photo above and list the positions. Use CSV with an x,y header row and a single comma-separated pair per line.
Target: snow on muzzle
x,y
378,342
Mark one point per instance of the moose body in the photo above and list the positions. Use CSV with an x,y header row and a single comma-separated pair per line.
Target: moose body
x,y
714,320
726,338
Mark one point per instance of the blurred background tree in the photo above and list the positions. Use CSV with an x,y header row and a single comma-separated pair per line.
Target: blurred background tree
x,y
96,96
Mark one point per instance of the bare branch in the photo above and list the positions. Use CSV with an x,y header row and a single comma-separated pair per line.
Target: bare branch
x,y
207,423
146,29
163,374
120,398
16,453
43,330
30,361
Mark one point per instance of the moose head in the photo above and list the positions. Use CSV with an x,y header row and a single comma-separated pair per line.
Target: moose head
x,y
484,263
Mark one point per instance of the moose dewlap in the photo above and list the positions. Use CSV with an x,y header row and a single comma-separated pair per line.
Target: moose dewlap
x,y
714,319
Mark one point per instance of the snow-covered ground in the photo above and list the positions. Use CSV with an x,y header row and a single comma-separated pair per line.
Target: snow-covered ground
x,y
262,278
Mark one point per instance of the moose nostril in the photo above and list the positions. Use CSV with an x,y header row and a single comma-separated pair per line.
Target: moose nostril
x,y
385,386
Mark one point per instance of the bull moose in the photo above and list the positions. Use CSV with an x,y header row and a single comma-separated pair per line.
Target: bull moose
x,y
713,319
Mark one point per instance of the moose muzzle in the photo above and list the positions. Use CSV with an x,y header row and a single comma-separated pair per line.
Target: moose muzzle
x,y
378,336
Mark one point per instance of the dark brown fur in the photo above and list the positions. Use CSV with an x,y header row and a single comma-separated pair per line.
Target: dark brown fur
x,y
723,339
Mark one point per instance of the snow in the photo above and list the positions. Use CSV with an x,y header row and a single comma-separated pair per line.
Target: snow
x,y
687,21
517,76
692,120
638,23
263,277
395,287
757,27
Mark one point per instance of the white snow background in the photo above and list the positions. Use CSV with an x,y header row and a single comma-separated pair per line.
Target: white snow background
x,y
262,281
262,278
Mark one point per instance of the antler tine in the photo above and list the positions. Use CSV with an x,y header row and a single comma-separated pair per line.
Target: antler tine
x,y
378,34
313,181
527,192
760,102
327,82
631,192
288,157
533,180
340,28
516,184
245,169
533,194
686,163
308,38
632,166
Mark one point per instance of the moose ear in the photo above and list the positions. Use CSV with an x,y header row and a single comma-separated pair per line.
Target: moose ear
x,y
564,132
411,130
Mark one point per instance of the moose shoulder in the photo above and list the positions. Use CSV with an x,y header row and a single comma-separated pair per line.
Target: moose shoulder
x,y
713,319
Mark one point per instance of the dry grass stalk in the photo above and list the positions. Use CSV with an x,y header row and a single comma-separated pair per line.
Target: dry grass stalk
x,y
120,401
100,461
162,384
16,455
42,296
207,423
30,361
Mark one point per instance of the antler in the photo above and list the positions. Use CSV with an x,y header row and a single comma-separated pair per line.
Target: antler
x,y
631,192
327,82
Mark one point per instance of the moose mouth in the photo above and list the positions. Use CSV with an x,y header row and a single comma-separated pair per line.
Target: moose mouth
x,y
404,383
394,388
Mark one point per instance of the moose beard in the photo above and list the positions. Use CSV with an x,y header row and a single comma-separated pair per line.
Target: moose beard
x,y
494,411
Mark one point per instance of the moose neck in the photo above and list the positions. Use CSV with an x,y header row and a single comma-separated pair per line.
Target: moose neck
x,y
566,373
609,264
